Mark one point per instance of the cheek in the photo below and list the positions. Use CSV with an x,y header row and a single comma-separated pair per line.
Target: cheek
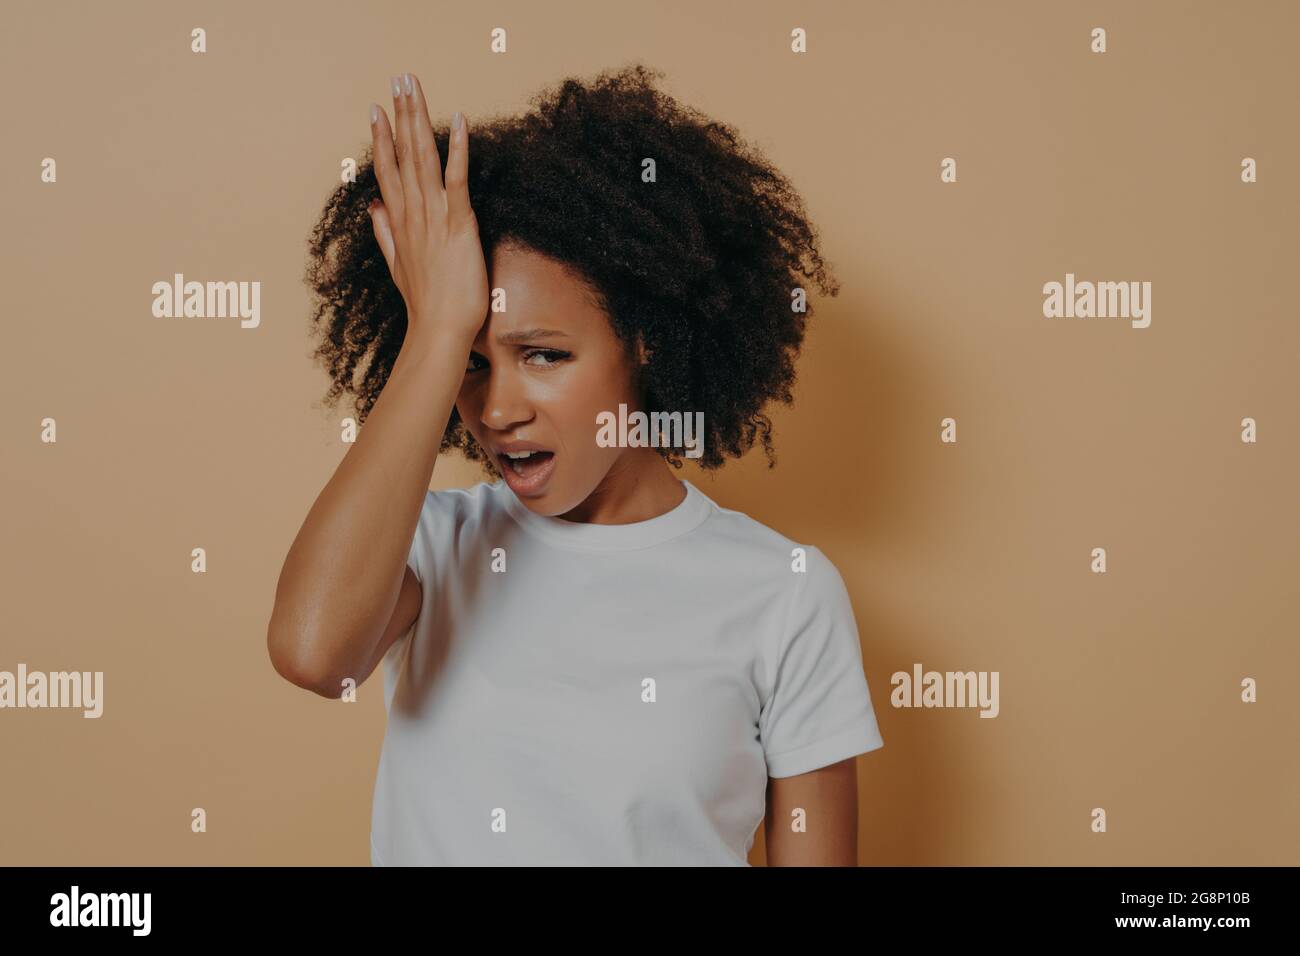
x,y
587,393
602,383
601,394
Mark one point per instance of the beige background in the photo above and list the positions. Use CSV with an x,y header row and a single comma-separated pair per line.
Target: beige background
x,y
1117,690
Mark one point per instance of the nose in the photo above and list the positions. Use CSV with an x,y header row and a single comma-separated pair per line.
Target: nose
x,y
505,402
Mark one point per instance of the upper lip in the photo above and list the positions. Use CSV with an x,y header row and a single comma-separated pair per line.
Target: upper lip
x,y
515,447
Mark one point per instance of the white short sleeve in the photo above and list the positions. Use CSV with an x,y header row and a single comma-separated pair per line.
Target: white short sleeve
x,y
420,544
419,558
819,710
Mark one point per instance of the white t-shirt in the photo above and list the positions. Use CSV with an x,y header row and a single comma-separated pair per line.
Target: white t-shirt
x,y
617,695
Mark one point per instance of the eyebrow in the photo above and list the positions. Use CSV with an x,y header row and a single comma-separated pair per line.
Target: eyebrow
x,y
528,335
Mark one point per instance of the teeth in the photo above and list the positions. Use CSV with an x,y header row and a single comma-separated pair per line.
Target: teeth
x,y
522,454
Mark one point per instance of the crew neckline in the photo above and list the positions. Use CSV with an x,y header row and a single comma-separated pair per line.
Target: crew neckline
x,y
687,515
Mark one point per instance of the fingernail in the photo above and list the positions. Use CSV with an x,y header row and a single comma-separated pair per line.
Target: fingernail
x,y
397,87
456,120
374,114
410,85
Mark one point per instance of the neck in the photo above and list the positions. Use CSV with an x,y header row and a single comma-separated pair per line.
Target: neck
x,y
639,486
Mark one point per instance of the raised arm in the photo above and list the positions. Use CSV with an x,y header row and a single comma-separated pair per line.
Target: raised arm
x,y
345,592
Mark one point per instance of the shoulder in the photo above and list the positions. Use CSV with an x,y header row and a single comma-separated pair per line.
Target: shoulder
x,y
799,584
747,536
461,503
447,517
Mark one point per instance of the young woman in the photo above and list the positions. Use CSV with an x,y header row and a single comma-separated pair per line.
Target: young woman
x,y
587,659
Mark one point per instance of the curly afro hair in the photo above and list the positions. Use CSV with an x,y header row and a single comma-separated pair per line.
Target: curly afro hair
x,y
700,265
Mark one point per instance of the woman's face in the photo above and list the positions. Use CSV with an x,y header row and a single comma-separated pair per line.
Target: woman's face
x,y
538,375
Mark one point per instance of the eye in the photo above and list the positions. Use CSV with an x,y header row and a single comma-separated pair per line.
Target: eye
x,y
472,359
552,357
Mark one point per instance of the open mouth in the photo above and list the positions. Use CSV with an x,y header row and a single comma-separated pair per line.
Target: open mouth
x,y
526,471
524,463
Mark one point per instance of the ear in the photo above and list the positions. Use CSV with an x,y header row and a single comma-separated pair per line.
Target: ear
x,y
642,353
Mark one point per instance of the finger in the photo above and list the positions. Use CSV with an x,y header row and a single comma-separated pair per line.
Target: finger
x,y
459,210
385,163
414,199
428,162
384,235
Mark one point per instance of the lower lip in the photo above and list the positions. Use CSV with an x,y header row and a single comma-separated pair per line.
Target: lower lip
x,y
529,484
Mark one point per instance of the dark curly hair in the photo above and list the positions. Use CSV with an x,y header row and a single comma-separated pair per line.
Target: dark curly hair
x,y
700,264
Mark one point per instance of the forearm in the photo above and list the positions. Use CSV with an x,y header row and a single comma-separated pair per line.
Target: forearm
x,y
342,576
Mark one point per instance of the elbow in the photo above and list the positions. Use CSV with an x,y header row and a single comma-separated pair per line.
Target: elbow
x,y
291,656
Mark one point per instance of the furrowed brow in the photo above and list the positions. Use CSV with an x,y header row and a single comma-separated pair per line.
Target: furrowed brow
x,y
524,336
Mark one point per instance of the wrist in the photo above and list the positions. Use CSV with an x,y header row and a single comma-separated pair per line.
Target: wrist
x,y
434,337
